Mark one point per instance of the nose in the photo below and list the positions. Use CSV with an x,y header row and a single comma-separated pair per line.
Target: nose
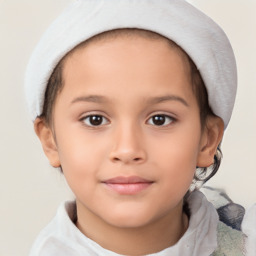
x,y
128,146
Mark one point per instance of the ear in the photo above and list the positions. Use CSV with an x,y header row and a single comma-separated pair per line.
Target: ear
x,y
46,136
211,137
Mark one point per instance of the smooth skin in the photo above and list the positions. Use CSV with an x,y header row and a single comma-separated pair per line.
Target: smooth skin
x,y
127,109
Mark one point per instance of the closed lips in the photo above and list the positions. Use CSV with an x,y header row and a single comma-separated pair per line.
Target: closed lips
x,y
128,185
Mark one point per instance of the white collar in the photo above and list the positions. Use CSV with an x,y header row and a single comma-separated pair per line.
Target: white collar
x,y
199,239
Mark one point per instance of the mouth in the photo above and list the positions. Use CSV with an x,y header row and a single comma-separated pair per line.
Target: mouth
x,y
128,185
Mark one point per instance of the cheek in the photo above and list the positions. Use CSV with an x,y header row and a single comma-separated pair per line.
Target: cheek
x,y
176,175
177,157
81,155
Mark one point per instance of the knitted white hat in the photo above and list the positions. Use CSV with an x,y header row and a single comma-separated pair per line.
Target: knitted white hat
x,y
202,39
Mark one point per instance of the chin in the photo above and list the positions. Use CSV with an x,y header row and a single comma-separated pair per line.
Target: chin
x,y
127,219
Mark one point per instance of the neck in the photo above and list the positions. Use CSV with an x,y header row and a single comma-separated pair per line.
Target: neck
x,y
147,239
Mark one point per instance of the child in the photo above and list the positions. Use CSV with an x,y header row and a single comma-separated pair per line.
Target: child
x,y
130,100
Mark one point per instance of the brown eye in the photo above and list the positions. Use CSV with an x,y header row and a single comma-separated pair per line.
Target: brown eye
x,y
95,120
160,120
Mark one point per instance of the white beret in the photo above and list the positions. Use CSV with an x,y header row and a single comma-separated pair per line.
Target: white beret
x,y
200,37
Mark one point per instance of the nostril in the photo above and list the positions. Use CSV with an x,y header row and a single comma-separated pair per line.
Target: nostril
x,y
127,157
117,159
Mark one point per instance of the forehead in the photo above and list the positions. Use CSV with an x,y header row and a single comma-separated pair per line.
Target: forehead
x,y
126,61
121,40
114,44
128,34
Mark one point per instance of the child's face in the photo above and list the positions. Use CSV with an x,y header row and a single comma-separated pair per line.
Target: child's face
x,y
127,114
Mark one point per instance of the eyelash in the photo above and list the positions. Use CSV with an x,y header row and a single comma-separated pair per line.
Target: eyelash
x,y
95,116
163,117
101,120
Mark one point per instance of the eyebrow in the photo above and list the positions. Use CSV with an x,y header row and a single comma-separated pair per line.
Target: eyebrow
x,y
151,101
90,98
160,99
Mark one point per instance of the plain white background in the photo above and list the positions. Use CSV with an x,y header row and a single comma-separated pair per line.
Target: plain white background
x,y
30,190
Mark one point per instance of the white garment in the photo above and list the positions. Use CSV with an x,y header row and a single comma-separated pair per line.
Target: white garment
x,y
249,229
62,237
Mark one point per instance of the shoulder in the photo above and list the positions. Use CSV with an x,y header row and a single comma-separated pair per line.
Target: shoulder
x,y
230,241
52,246
249,228
230,213
51,241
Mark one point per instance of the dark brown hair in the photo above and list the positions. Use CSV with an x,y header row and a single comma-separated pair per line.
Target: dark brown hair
x,y
56,83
